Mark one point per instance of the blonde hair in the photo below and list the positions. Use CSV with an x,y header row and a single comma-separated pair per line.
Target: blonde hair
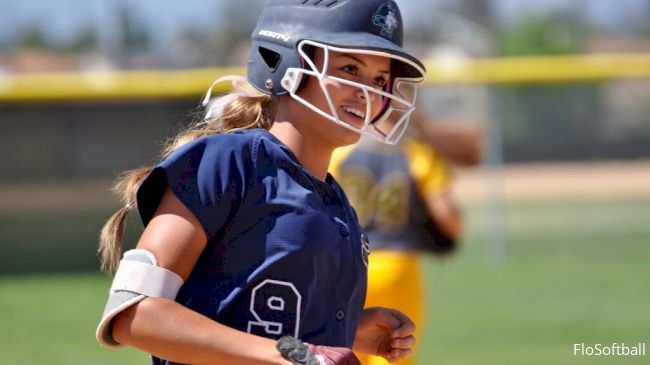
x,y
237,111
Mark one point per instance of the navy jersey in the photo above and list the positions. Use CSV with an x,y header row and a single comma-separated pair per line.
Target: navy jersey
x,y
285,253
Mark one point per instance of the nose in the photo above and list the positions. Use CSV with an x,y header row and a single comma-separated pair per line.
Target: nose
x,y
361,94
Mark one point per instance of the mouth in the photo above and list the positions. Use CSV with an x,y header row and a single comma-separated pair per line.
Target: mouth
x,y
355,115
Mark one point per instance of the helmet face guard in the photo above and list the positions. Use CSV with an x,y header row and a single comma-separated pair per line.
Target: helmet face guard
x,y
398,99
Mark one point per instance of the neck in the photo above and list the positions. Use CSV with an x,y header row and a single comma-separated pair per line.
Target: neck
x,y
312,154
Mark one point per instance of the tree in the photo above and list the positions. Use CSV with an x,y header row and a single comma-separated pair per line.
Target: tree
x,y
85,40
233,29
553,33
33,36
134,36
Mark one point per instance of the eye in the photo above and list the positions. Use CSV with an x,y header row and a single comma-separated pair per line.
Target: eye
x,y
350,69
380,81
353,70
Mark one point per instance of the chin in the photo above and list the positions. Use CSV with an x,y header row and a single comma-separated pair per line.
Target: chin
x,y
348,137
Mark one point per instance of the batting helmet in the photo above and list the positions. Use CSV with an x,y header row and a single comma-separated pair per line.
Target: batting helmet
x,y
288,30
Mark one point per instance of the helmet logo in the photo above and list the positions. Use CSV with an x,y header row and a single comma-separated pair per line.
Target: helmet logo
x,y
386,18
274,35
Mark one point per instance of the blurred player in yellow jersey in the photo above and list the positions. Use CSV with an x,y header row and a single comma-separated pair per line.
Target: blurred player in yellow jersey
x,y
402,195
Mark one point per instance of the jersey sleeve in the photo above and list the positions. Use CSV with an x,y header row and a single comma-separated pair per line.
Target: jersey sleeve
x,y
208,175
429,170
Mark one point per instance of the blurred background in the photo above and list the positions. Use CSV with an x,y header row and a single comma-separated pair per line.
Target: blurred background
x,y
557,210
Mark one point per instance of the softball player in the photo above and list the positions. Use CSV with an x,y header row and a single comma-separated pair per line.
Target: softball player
x,y
401,195
250,247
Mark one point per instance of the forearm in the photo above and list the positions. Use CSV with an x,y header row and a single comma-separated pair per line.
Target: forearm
x,y
446,213
168,330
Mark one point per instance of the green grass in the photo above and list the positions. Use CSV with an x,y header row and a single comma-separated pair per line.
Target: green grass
x,y
51,319
573,272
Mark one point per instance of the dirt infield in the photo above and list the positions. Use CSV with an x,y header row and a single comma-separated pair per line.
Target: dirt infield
x,y
530,181
619,179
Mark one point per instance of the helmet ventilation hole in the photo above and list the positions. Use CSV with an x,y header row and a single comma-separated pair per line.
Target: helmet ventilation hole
x,y
327,4
270,57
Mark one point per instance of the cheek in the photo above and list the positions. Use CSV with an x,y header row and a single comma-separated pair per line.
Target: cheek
x,y
377,105
311,91
338,92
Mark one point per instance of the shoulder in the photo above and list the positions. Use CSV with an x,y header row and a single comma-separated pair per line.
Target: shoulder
x,y
220,142
420,153
240,145
429,169
210,175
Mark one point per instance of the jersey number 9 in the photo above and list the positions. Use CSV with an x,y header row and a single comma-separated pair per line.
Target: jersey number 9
x,y
276,308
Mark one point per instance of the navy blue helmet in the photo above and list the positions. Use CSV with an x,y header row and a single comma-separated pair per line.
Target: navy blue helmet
x,y
287,31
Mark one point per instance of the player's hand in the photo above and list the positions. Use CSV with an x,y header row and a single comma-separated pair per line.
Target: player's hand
x,y
385,332
300,353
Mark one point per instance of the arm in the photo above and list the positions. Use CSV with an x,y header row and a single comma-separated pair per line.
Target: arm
x,y
169,330
442,208
460,144
433,179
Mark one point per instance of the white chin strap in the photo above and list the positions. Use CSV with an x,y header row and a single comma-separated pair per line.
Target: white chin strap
x,y
398,104
137,277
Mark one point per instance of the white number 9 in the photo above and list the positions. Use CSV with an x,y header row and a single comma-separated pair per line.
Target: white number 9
x,y
276,308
